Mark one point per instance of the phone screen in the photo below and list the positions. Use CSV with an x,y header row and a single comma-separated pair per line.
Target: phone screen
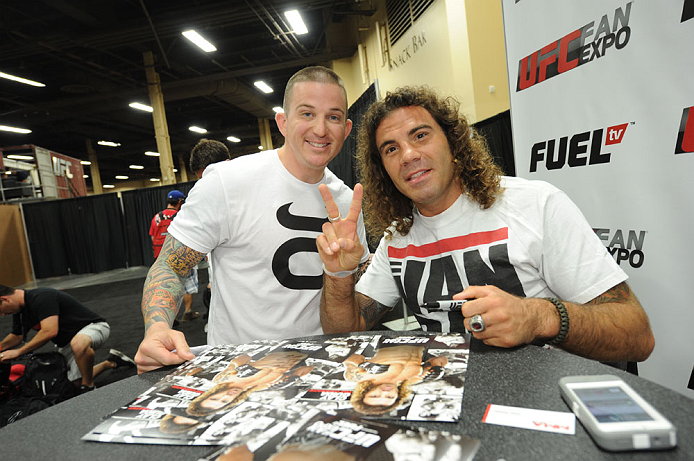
x,y
611,405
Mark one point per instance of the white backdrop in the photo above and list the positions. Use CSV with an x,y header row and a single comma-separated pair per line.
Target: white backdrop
x,y
601,111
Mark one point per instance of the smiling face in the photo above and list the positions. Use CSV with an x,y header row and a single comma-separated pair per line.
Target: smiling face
x,y
384,394
314,127
416,155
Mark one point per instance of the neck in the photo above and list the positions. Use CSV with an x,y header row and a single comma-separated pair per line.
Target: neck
x,y
307,175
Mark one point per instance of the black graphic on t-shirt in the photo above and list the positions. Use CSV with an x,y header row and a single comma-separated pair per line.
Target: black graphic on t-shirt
x,y
443,281
280,261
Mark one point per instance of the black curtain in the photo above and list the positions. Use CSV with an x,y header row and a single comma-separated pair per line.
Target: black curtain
x,y
139,207
497,131
79,236
344,165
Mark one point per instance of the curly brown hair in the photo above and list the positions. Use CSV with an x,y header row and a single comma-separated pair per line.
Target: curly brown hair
x,y
363,387
196,408
384,205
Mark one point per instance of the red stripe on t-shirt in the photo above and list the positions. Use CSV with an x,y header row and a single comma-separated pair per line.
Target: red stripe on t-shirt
x,y
450,244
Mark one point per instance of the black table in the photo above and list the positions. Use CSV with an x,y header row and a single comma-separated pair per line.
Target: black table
x,y
522,377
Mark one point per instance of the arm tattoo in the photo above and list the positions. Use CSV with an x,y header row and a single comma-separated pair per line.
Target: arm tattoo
x,y
163,290
182,259
618,293
370,309
360,271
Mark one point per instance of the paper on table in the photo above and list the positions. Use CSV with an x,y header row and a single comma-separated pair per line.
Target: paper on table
x,y
529,418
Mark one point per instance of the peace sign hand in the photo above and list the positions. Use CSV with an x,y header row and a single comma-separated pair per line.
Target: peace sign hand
x,y
339,246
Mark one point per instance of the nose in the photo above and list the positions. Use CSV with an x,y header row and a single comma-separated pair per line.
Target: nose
x,y
320,127
409,154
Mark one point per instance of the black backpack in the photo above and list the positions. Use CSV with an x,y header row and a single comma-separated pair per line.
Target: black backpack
x,y
45,376
20,407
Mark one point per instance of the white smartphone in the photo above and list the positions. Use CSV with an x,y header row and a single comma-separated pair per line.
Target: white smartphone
x,y
615,416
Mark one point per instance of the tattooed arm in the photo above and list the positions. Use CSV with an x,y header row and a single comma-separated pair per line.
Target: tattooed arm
x,y
611,327
161,298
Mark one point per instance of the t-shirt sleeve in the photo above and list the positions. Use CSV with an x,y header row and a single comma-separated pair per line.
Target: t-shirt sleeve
x,y
201,224
377,282
575,263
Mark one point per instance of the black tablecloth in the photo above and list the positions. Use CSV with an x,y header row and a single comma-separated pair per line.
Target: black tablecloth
x,y
521,377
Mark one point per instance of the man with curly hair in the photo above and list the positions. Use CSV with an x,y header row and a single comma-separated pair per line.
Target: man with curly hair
x,y
518,254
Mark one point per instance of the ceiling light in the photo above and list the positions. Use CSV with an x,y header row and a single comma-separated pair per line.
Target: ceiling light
x,y
175,170
20,79
260,147
197,129
263,86
20,157
155,179
108,143
140,106
108,186
85,162
137,167
14,129
152,154
233,139
85,175
278,110
296,22
199,40
122,177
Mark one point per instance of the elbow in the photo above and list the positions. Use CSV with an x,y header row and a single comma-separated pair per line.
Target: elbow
x,y
647,344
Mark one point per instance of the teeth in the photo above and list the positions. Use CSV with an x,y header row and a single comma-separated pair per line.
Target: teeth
x,y
416,175
315,144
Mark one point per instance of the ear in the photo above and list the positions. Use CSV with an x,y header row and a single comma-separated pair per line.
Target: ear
x,y
281,120
348,128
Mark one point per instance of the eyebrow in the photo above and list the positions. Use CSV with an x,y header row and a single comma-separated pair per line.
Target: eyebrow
x,y
309,106
409,133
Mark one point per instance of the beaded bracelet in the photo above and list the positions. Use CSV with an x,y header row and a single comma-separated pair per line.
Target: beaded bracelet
x,y
563,322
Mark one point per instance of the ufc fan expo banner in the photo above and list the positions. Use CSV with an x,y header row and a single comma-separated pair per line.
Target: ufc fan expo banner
x,y
602,106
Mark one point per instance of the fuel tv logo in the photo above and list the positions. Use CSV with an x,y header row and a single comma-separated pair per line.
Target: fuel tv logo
x,y
580,149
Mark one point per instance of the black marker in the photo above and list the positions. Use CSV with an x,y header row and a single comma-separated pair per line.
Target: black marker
x,y
443,305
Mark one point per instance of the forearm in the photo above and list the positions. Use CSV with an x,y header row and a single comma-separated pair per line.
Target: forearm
x,y
10,341
162,294
612,327
339,310
40,339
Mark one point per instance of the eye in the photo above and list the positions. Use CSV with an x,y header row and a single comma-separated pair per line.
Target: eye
x,y
420,135
334,118
388,150
306,114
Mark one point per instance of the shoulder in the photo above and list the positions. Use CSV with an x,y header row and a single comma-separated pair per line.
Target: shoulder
x,y
240,168
523,193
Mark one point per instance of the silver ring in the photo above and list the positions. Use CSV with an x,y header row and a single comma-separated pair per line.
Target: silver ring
x,y
336,218
477,323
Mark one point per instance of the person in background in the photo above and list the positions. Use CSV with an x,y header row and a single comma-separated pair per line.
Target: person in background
x,y
158,230
60,318
260,214
519,253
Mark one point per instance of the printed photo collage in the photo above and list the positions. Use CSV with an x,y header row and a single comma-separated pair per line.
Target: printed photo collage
x,y
272,395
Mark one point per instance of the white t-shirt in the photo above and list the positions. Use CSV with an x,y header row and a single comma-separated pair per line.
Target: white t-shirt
x,y
533,242
262,224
